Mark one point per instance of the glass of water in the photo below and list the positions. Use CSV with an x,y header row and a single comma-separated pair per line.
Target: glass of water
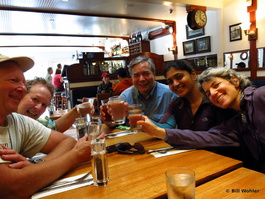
x,y
180,183
81,127
94,130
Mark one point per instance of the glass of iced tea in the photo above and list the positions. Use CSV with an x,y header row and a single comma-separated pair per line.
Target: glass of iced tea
x,y
180,183
84,110
135,114
104,105
116,104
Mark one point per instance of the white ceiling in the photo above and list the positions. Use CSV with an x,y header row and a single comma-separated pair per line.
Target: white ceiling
x,y
82,22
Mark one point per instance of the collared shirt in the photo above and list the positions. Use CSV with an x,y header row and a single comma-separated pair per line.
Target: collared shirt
x,y
155,105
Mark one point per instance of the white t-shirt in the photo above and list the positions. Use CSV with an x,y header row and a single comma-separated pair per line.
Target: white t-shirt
x,y
23,134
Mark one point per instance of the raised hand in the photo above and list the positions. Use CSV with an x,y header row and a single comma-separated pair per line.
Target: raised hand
x,y
150,128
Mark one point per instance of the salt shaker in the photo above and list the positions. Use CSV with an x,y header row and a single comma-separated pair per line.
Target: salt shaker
x,y
99,162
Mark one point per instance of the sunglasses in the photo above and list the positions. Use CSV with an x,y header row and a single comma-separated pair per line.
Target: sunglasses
x,y
126,148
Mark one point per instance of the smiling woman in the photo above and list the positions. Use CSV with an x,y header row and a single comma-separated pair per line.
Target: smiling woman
x,y
227,88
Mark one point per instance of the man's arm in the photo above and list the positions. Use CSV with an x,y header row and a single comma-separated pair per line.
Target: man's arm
x,y
57,145
16,161
21,183
66,121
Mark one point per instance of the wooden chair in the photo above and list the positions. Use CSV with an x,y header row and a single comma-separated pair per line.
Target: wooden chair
x,y
102,97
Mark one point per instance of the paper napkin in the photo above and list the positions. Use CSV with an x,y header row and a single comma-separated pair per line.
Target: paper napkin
x,y
169,151
52,191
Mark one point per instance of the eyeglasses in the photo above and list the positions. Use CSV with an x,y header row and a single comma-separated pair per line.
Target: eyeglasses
x,y
126,148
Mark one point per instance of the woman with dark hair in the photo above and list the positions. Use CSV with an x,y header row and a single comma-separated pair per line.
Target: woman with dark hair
x,y
57,81
191,111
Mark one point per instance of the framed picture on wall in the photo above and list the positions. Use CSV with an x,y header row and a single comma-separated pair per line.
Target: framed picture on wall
x,y
235,32
203,45
194,33
189,47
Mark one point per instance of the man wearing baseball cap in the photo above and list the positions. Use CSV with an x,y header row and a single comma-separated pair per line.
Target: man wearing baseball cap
x,y
106,85
22,137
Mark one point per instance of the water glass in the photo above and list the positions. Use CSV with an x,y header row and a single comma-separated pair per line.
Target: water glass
x,y
96,118
94,130
81,127
100,170
180,183
118,109
135,114
51,109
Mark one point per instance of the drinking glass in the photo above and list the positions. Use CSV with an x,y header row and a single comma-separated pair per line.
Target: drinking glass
x,y
81,127
135,114
180,183
104,104
99,162
96,118
84,109
94,130
118,109
51,109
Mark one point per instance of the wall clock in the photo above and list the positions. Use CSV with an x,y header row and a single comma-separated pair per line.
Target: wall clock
x,y
244,55
197,19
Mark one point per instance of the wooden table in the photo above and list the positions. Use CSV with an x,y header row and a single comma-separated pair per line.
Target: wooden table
x,y
233,185
143,176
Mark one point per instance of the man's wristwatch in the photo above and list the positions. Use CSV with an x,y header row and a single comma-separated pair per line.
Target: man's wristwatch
x,y
37,161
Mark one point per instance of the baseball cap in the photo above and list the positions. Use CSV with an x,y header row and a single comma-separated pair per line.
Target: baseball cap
x,y
25,63
104,74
